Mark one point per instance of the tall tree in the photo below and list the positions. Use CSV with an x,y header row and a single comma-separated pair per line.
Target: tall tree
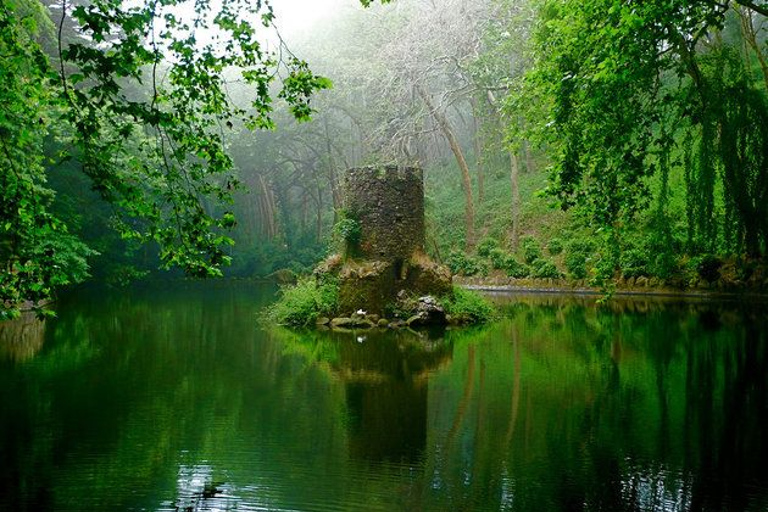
x,y
142,99
620,86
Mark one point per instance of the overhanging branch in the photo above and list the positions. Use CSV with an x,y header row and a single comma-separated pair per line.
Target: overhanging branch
x,y
761,8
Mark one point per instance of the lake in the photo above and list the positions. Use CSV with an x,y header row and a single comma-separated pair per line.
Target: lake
x,y
175,399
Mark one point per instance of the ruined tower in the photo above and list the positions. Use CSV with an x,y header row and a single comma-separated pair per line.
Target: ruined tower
x,y
389,204
388,257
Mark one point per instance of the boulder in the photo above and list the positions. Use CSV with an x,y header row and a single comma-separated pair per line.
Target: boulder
x,y
428,312
341,322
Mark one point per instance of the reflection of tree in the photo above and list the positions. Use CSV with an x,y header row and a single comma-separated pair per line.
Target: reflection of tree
x,y
21,338
178,400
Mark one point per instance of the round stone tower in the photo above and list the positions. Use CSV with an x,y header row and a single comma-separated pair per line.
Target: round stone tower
x,y
388,258
389,204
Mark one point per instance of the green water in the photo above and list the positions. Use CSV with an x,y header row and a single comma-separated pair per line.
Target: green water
x,y
173,399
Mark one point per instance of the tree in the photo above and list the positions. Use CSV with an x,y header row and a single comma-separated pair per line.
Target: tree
x,y
140,102
626,91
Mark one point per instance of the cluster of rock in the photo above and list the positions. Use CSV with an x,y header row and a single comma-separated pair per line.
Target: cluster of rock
x,y
424,311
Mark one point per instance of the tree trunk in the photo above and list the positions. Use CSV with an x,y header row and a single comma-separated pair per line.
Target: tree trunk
x,y
478,156
270,226
514,182
334,182
529,166
445,127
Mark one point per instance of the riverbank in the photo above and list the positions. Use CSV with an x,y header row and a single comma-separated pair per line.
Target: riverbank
x,y
629,287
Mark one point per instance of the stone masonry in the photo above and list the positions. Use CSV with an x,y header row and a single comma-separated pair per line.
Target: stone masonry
x,y
389,204
389,260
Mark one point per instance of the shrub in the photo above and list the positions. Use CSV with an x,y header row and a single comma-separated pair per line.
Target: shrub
x,y
462,264
468,306
545,269
348,230
531,249
304,303
576,264
487,246
634,263
707,267
516,269
555,246
499,258
578,252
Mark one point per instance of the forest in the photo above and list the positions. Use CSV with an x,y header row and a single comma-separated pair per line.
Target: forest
x,y
600,141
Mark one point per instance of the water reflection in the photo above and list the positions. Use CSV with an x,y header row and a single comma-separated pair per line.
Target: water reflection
x,y
21,338
174,400
385,377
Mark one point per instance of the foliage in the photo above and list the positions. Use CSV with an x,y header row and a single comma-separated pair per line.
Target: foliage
x,y
37,253
487,247
555,246
302,304
517,270
531,249
577,254
622,90
349,231
462,264
499,258
634,263
468,306
544,269
502,260
141,103
708,267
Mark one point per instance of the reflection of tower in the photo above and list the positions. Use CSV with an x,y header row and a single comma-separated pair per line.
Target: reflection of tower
x,y
386,388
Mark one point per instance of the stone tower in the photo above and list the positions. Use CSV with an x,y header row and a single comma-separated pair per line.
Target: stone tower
x,y
389,257
389,204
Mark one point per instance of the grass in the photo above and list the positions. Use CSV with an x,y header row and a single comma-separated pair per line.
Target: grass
x,y
467,306
305,302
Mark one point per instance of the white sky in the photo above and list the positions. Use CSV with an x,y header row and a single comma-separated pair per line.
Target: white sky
x,y
293,17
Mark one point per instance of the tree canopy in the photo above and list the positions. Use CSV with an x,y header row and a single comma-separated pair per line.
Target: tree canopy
x,y
137,95
634,90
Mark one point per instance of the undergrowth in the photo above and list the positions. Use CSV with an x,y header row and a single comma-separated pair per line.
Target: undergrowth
x,y
467,306
303,303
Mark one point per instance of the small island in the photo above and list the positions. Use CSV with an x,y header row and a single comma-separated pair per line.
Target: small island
x,y
381,276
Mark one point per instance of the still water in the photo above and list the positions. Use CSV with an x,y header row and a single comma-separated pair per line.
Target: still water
x,y
174,399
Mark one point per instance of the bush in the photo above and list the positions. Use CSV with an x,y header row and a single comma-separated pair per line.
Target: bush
x,y
545,269
578,252
634,263
348,230
304,303
487,246
499,258
708,267
462,264
555,246
517,270
531,249
467,306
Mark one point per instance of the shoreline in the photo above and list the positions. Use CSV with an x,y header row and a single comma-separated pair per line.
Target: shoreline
x,y
564,287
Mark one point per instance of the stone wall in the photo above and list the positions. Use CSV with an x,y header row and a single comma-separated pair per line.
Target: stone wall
x,y
389,204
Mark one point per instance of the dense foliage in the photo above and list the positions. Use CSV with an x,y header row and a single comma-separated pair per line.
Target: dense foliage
x,y
127,130
637,96
302,304
137,94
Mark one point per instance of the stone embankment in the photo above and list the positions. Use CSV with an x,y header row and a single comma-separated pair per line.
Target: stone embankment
x,y
631,286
